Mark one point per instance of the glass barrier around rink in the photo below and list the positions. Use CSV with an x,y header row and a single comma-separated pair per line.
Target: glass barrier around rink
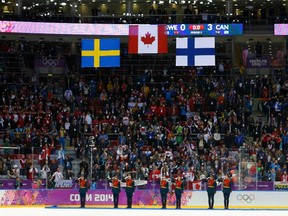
x,y
245,177
240,164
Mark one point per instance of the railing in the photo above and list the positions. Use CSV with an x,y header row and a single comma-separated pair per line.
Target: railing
x,y
140,184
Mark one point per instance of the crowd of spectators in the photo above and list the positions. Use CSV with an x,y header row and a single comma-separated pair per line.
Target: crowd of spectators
x,y
176,127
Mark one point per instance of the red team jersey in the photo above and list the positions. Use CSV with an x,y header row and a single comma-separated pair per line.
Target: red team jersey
x,y
226,183
82,183
163,183
178,184
115,183
129,182
211,183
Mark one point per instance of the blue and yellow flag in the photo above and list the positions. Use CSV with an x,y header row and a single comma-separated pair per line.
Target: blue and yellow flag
x,y
100,53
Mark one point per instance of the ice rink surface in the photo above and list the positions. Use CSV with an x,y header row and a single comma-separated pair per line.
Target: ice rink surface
x,y
73,211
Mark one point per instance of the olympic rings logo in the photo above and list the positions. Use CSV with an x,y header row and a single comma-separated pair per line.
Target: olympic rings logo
x,y
245,198
50,62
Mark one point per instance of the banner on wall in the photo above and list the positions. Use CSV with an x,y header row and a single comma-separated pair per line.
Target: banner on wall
x,y
93,197
143,198
258,62
64,184
50,65
281,186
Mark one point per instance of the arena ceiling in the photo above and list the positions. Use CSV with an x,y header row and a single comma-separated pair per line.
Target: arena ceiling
x,y
212,6
216,3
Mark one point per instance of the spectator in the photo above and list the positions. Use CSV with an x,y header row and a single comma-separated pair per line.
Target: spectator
x,y
18,183
67,164
173,16
239,139
23,163
93,185
271,175
84,168
60,156
62,137
284,177
45,172
70,175
13,172
57,176
32,173
103,140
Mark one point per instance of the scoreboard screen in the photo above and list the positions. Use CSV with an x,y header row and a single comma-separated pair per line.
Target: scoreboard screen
x,y
281,29
204,29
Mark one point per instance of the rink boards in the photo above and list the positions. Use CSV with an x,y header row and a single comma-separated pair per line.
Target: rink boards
x,y
149,199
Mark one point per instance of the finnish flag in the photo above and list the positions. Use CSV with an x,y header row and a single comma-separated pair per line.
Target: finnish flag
x,y
195,51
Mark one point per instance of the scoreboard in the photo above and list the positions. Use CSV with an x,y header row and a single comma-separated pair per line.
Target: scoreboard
x,y
18,27
204,29
281,29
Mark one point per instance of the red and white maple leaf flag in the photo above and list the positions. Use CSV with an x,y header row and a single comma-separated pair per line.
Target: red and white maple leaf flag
x,y
147,39
197,185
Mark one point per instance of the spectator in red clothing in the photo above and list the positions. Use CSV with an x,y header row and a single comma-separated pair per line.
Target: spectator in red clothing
x,y
284,177
265,93
161,111
100,86
153,107
46,121
173,111
124,86
155,174
23,162
32,173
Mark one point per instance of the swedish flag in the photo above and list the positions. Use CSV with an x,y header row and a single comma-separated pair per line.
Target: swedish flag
x,y
100,53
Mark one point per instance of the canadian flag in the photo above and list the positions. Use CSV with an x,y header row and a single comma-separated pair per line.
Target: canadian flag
x,y
147,39
197,185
